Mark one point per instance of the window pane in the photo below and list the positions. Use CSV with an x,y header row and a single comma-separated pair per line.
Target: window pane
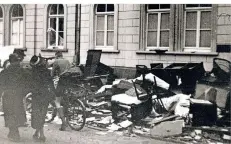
x,y
15,26
110,22
152,21
152,39
99,38
164,6
14,39
110,38
110,7
1,13
60,42
61,24
153,6
192,5
53,9
206,19
164,38
1,40
52,38
21,26
61,9
21,39
20,11
101,8
100,22
17,11
53,23
165,21
190,38
191,20
1,26
205,38
205,5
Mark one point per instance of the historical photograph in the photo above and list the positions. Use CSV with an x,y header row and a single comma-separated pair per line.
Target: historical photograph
x,y
115,73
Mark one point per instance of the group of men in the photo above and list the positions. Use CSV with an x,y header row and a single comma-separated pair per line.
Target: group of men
x,y
16,82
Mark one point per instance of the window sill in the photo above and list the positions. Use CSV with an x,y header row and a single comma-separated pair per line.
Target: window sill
x,y
110,51
55,50
179,53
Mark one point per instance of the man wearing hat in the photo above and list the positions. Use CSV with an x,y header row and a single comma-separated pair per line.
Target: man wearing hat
x,y
42,94
20,55
14,86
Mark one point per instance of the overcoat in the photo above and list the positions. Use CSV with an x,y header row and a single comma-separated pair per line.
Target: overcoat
x,y
14,87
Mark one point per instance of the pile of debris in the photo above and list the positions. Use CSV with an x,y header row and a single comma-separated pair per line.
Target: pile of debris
x,y
118,108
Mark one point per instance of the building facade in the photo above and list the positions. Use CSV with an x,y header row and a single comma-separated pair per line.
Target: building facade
x,y
128,34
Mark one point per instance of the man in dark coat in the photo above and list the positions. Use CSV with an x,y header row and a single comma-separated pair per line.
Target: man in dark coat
x,y
42,88
13,87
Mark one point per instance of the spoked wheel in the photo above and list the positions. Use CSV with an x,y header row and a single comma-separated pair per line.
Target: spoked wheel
x,y
51,113
76,115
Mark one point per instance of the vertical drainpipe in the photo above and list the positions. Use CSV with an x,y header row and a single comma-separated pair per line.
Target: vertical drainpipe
x,y
35,20
77,32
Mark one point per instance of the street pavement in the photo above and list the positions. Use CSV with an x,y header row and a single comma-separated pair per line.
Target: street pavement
x,y
85,136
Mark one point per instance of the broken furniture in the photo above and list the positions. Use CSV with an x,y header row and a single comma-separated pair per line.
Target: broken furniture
x,y
204,112
139,107
187,73
219,78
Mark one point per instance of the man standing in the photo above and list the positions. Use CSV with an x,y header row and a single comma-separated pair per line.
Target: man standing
x,y
13,86
60,65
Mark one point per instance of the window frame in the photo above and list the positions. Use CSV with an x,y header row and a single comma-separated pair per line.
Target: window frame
x,y
159,13
92,29
3,25
105,30
11,26
47,24
198,11
177,23
144,26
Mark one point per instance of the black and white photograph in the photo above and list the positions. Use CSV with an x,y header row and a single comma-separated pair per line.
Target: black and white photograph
x,y
115,73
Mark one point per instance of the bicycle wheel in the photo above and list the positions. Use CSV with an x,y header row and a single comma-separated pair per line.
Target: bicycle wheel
x,y
76,115
51,113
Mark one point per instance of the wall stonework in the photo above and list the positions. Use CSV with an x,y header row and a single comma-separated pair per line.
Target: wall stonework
x,y
129,38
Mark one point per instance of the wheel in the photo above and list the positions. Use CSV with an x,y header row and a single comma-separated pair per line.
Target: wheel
x,y
51,113
28,102
76,115
6,64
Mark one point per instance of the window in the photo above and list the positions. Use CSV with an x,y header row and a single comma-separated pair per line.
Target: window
x,y
1,26
104,26
56,31
198,26
157,26
181,27
17,25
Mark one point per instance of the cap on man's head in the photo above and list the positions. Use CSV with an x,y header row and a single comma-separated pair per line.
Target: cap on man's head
x,y
19,52
13,58
35,60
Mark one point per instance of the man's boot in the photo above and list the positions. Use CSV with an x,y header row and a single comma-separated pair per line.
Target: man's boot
x,y
62,117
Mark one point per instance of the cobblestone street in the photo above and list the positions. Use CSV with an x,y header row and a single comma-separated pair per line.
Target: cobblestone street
x,y
85,136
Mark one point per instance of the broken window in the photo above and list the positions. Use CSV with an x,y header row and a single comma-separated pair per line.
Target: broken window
x,y
157,28
198,27
17,25
104,29
56,26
